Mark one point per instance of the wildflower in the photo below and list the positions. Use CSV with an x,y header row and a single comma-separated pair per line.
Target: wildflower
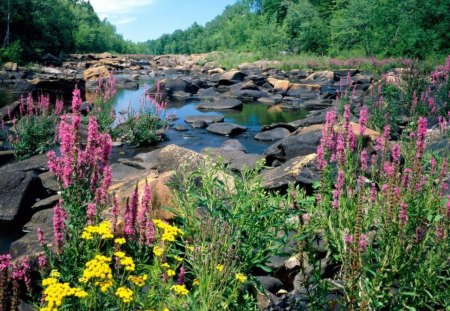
x,y
125,294
98,268
181,276
219,268
58,225
180,290
42,261
103,230
125,261
120,241
240,277
306,218
363,158
348,238
178,258
363,118
158,251
396,153
138,280
421,133
363,242
196,282
55,292
40,236
170,273
403,214
169,232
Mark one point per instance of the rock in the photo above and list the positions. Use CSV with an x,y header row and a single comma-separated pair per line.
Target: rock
x,y
369,134
46,203
272,126
233,144
271,135
121,171
181,95
22,87
345,72
52,70
149,159
199,124
180,128
209,93
135,77
216,70
57,86
208,119
6,156
319,245
238,90
135,164
271,284
221,104
174,158
10,66
297,300
95,73
321,77
51,60
316,117
280,86
179,85
18,191
300,143
49,182
126,83
302,90
37,164
10,111
234,159
267,100
226,128
299,170
316,104
231,77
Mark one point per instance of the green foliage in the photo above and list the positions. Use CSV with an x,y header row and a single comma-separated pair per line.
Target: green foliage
x,y
12,53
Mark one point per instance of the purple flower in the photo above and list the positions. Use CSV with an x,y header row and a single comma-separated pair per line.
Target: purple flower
x,y
421,135
363,242
396,153
76,101
403,214
363,118
91,212
348,238
40,236
58,225
181,275
5,262
363,159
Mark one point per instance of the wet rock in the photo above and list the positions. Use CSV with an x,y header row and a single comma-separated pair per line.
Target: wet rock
x,y
95,73
226,129
46,203
220,104
300,170
233,144
208,119
316,104
18,191
274,134
272,126
300,143
173,158
149,159
316,117
126,83
129,162
304,90
234,159
270,284
231,77
198,124
267,100
181,95
249,94
209,93
180,128
57,86
49,182
179,85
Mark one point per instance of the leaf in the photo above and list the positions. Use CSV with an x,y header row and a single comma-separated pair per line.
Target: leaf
x,y
264,268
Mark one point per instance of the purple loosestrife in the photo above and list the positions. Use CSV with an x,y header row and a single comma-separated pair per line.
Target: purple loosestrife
x,y
421,135
40,236
143,212
181,275
150,233
396,153
363,159
339,187
91,213
129,221
42,261
403,213
115,212
59,217
363,242
363,118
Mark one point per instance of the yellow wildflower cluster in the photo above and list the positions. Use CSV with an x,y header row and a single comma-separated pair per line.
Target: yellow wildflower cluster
x,y
120,241
158,251
169,232
97,268
126,261
219,268
180,289
125,294
240,277
138,280
104,285
196,282
103,230
55,292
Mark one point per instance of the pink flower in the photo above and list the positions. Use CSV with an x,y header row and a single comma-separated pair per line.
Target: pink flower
x,y
363,118
181,275
58,225
421,135
363,242
42,261
348,238
396,153
373,193
363,159
388,168
403,214
76,100
91,212
40,235
306,219
5,262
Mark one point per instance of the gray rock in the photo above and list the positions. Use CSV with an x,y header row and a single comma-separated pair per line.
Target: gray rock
x,y
180,128
208,119
300,170
18,191
46,203
274,134
220,104
36,164
181,95
136,164
316,117
49,182
234,159
10,111
231,77
267,100
272,126
271,284
233,144
6,156
209,93
121,171
175,158
149,159
316,104
226,129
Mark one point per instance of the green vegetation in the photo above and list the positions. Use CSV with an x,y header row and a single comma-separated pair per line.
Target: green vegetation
x,y
354,28
31,28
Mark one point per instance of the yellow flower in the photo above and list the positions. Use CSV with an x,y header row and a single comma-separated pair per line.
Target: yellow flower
x,y
178,258
97,268
120,241
170,273
166,309
240,277
125,261
170,232
158,251
165,265
180,290
190,248
55,292
125,294
138,280
219,268
196,282
55,274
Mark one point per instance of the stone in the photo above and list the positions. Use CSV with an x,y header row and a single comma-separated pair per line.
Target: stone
x,y
130,162
321,77
22,87
208,119
316,104
267,100
10,66
149,159
319,245
49,182
274,134
234,159
299,89
209,93
238,90
369,134
300,170
270,284
198,124
6,156
96,72
233,144
272,126
179,85
181,95
315,117
300,143
10,111
57,86
52,70
121,171
231,77
37,164
216,70
18,191
281,86
175,158
180,128
46,203
226,129
220,104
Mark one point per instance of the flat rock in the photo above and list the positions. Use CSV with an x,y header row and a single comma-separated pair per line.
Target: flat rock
x,y
267,100
316,104
46,203
300,170
231,77
226,128
233,144
274,134
121,171
18,191
209,93
234,159
272,126
205,118
49,182
36,164
299,89
316,117
174,158
180,128
220,104
149,159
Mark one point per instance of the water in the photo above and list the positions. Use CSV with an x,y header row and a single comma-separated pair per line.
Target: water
x,y
253,116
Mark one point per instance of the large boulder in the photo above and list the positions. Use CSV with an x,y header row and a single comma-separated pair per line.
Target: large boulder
x,y
300,143
234,159
57,86
304,90
37,164
226,129
273,134
299,170
220,104
321,77
175,158
18,192
96,72
231,77
280,86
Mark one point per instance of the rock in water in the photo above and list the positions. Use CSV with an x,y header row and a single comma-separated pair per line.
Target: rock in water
x,y
271,135
226,129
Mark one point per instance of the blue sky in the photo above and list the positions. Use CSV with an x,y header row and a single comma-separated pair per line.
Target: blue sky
x,y
140,20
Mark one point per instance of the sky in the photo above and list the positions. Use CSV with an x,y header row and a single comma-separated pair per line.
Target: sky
x,y
141,20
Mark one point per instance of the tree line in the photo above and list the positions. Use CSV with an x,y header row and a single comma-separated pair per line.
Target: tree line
x,y
32,28
412,28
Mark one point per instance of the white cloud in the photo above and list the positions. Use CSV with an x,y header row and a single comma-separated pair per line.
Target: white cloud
x,y
119,11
